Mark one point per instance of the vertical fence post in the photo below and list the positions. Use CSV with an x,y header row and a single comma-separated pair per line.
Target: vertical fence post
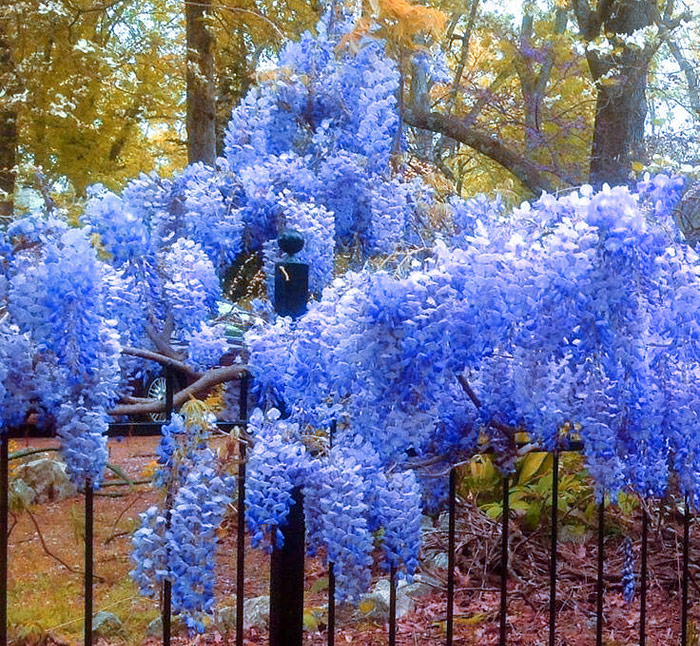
x,y
331,566
4,510
166,611
291,277
89,526
553,556
452,510
392,606
686,556
504,561
643,600
240,525
599,585
287,561
287,579
331,604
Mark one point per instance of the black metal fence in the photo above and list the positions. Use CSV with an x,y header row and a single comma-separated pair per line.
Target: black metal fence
x,y
124,429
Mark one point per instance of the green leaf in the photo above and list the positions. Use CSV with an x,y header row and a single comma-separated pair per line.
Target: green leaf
x,y
521,505
319,585
532,464
115,468
493,510
533,515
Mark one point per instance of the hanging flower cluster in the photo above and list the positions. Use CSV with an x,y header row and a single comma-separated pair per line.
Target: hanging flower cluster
x,y
191,286
309,148
16,387
352,507
574,312
61,337
177,542
206,346
277,464
662,192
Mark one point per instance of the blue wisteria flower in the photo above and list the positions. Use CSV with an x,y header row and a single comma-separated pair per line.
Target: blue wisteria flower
x,y
628,575
276,465
580,310
56,300
662,192
206,346
191,286
17,388
198,509
177,541
336,500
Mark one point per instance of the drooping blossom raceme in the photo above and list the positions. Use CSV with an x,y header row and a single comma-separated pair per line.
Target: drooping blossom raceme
x,y
177,541
276,466
56,299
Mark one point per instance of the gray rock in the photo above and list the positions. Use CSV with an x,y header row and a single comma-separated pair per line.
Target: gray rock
x,y
443,522
106,624
155,628
436,560
256,612
48,479
21,495
374,606
420,587
426,523
226,618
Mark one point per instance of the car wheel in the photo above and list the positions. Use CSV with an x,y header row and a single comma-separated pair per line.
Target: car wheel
x,y
156,390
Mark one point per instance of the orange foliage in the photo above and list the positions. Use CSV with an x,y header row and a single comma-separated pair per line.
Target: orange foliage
x,y
399,22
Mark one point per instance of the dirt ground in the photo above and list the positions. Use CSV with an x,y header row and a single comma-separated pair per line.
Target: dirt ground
x,y
45,596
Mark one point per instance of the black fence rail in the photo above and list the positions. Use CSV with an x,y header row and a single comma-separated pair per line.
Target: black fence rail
x,y
145,429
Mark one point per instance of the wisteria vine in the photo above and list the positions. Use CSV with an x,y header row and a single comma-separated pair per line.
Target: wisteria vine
x,y
577,313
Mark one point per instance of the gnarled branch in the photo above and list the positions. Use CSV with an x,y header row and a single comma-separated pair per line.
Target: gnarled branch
x,y
162,359
530,174
206,381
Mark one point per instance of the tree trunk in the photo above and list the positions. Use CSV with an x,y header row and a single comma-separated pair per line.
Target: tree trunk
x,y
201,98
419,100
618,135
621,106
687,215
8,160
234,81
8,133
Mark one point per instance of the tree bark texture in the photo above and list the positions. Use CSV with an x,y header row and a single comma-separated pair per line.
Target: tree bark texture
x,y
201,97
687,215
527,171
419,101
8,132
621,105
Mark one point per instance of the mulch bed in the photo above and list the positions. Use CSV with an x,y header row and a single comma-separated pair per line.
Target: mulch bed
x,y
477,596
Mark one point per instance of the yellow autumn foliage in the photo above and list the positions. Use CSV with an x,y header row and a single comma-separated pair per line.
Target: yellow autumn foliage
x,y
400,23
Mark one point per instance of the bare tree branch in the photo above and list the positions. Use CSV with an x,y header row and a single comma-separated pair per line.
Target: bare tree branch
x,y
464,55
530,174
206,381
506,429
686,66
486,96
162,339
45,547
469,391
169,361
